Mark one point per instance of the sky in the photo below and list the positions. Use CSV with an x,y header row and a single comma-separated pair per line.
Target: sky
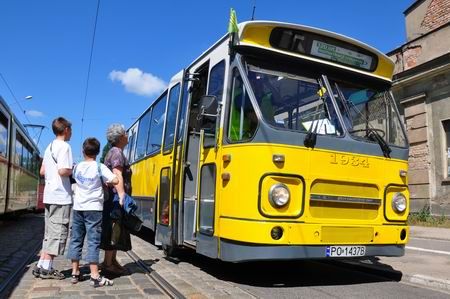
x,y
45,49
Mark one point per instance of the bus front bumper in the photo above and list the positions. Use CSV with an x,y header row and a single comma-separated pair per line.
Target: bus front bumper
x,y
239,252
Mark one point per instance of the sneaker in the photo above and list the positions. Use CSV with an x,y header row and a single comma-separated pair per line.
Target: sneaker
x,y
51,274
76,278
100,282
36,271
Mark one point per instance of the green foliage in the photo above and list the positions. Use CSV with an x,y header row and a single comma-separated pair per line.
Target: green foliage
x,y
105,150
424,218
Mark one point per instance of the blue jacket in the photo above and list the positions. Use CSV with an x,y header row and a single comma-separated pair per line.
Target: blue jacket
x,y
129,205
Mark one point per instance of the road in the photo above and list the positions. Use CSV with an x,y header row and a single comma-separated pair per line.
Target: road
x,y
196,276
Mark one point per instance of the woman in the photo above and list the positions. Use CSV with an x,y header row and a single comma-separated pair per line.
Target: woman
x,y
116,161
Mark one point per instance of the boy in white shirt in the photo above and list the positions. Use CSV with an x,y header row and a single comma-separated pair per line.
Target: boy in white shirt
x,y
57,167
87,212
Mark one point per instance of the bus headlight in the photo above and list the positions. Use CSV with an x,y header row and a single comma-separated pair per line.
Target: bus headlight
x,y
399,202
279,195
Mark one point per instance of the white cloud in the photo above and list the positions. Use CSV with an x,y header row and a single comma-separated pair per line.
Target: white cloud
x,y
34,113
138,82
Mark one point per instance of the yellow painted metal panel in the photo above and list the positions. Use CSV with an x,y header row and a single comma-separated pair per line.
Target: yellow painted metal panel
x,y
334,210
258,232
347,235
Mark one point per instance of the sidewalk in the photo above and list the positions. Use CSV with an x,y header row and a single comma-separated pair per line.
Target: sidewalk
x,y
422,264
416,267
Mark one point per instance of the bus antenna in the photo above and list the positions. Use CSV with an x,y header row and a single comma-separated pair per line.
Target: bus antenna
x,y
253,13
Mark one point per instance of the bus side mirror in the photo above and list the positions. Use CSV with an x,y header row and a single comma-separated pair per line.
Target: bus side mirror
x,y
208,109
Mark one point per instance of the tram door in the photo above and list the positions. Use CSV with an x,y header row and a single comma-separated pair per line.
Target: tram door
x,y
4,163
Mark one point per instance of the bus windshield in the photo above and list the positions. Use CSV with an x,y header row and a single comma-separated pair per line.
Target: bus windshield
x,y
294,102
365,110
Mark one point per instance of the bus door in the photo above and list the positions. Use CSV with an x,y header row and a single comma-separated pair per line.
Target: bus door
x,y
202,151
168,201
198,79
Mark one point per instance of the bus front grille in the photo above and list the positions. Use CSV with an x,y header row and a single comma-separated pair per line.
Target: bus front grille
x,y
344,200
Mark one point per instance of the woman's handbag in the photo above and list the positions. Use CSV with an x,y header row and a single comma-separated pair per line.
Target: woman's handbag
x,y
132,222
120,236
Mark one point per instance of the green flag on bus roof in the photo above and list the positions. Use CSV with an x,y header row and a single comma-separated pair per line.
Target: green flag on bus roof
x,y
233,25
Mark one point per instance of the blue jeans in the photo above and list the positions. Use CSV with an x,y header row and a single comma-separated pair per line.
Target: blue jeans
x,y
83,222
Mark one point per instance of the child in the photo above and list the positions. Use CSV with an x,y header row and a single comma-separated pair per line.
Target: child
x,y
57,167
87,212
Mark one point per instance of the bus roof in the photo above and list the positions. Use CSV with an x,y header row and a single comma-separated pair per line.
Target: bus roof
x,y
321,46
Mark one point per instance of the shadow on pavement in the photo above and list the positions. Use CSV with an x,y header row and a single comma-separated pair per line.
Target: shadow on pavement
x,y
296,273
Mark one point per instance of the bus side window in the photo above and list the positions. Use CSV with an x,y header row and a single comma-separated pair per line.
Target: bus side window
x,y
215,88
142,135
197,90
242,118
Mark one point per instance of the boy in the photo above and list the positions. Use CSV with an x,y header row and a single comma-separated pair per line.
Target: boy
x,y
57,167
87,212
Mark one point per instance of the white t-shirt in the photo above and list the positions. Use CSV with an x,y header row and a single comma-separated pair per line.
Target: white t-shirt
x,y
89,192
57,155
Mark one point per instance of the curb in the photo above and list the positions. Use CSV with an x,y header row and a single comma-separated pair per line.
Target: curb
x,y
435,283
395,275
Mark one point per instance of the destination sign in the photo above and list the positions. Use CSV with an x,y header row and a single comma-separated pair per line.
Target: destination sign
x,y
342,55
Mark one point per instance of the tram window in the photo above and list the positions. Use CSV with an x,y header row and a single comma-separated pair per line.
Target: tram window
x,y
25,156
242,118
157,125
142,135
174,97
19,149
3,134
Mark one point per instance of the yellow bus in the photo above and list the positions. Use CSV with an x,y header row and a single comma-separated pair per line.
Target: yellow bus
x,y
281,143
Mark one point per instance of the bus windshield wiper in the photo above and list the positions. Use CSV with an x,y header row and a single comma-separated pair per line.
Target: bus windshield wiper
x,y
373,135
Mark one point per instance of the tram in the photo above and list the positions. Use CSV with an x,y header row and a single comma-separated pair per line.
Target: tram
x,y
279,142
19,164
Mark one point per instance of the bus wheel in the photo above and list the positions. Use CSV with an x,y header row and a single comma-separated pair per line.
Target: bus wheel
x,y
170,251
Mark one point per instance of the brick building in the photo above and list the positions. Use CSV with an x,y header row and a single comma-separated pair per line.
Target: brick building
x,y
422,87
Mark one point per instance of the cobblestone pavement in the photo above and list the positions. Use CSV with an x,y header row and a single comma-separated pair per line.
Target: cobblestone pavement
x,y
187,277
190,280
18,237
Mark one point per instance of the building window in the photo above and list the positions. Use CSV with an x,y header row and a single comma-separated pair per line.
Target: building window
x,y
446,125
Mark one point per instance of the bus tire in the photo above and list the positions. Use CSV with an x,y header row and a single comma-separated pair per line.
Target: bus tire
x,y
170,251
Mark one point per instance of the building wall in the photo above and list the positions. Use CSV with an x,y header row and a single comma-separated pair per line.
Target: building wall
x,y
413,20
422,87
426,15
425,102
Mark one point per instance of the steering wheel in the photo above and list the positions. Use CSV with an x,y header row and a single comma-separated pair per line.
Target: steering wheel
x,y
367,131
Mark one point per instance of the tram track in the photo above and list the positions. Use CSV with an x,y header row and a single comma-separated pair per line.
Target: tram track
x,y
162,283
11,280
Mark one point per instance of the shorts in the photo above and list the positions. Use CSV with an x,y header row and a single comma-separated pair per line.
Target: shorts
x,y
85,223
56,228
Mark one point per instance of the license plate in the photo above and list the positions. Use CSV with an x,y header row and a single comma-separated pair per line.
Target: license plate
x,y
345,251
